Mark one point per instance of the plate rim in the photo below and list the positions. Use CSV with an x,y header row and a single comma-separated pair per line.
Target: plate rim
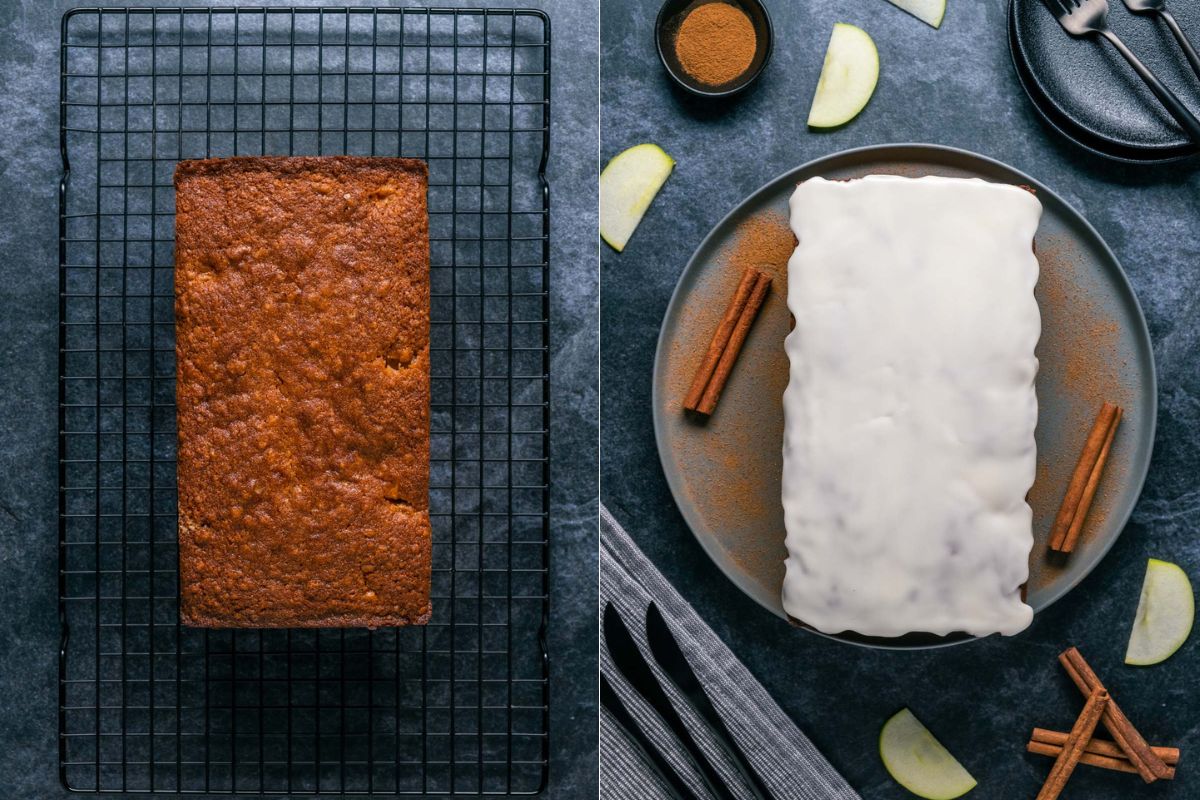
x,y
1139,472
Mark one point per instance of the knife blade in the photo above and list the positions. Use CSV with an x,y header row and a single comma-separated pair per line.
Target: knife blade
x,y
669,655
633,666
611,701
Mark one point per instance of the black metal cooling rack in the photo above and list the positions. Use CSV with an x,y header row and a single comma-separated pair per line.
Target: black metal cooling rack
x,y
457,706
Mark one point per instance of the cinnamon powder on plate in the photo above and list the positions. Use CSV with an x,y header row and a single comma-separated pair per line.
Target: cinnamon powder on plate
x,y
733,462
715,43
765,242
1082,362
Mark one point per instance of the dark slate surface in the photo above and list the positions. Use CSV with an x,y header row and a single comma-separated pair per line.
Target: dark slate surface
x,y
956,87
29,168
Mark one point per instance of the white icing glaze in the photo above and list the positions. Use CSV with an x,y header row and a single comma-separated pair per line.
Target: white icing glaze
x,y
910,407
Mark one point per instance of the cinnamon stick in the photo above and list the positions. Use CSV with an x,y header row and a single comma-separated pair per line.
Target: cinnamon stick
x,y
1103,747
1089,489
1072,749
1089,464
736,339
720,339
1097,753
1145,760
1091,759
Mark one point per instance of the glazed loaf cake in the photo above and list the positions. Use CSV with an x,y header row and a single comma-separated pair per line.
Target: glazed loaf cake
x,y
302,330
910,411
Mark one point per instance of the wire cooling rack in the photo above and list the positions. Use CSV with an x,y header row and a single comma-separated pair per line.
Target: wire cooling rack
x,y
457,706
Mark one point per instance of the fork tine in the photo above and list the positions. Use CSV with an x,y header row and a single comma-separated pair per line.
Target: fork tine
x,y
1056,7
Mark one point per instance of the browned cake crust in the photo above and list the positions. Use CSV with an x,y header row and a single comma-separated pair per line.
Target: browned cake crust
x,y
302,330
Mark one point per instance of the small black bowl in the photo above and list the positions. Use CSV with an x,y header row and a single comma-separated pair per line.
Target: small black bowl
x,y
670,17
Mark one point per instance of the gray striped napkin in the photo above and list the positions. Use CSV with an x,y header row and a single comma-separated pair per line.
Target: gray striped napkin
x,y
786,760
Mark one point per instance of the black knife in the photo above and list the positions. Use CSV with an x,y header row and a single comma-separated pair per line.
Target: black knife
x,y
628,725
633,666
670,657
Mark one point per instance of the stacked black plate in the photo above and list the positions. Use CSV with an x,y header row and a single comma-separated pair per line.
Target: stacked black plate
x,y
1084,88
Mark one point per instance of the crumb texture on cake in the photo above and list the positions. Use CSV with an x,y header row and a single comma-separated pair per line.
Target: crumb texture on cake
x,y
910,409
302,345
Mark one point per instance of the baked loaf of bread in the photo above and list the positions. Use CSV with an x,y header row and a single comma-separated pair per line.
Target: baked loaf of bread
x,y
302,330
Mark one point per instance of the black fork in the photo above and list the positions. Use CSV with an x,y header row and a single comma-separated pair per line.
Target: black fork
x,y
1159,7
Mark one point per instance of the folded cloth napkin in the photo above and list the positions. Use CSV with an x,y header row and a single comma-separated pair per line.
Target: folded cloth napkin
x,y
783,757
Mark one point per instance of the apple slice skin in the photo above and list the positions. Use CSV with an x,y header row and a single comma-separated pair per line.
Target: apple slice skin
x,y
628,184
1165,614
849,75
931,12
918,762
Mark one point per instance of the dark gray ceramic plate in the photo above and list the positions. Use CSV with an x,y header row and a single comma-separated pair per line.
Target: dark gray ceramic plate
x,y
1086,82
1066,127
725,473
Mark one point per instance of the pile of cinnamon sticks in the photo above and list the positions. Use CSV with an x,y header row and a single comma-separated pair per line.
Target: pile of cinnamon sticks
x,y
1068,525
727,342
1127,752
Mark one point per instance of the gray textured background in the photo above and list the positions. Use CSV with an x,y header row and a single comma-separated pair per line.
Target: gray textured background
x,y
953,86
29,168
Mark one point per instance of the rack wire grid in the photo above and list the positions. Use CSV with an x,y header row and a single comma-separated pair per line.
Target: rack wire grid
x,y
459,706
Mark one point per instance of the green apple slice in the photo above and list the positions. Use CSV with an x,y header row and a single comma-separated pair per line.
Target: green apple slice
x,y
848,77
1164,615
627,186
918,761
928,11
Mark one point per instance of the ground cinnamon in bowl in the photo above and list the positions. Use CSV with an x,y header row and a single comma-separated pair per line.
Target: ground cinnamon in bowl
x,y
716,43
